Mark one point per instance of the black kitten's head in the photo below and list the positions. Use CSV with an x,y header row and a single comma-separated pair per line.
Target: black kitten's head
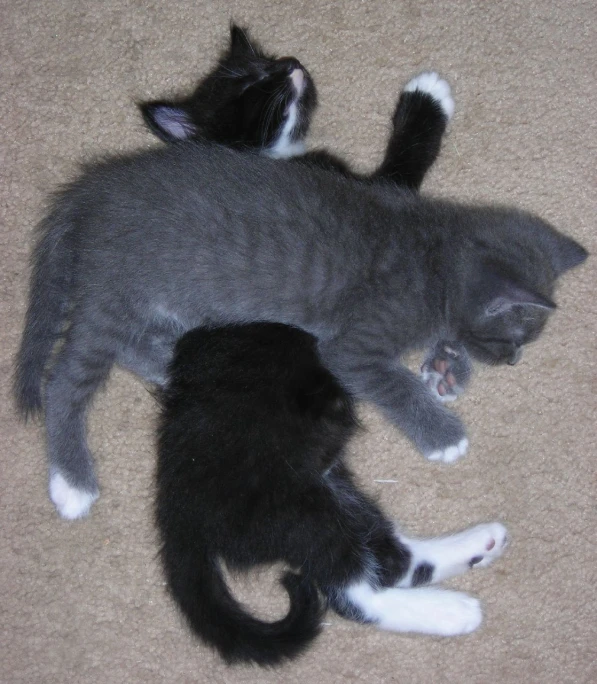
x,y
250,100
509,290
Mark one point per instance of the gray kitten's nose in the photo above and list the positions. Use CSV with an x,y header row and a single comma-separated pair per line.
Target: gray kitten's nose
x,y
516,356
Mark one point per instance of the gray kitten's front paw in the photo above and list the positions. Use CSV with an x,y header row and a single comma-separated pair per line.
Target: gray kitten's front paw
x,y
446,370
444,438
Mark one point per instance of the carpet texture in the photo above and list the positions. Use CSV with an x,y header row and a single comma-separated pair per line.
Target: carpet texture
x,y
85,601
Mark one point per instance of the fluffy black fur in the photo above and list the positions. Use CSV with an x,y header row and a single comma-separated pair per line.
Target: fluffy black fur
x,y
250,472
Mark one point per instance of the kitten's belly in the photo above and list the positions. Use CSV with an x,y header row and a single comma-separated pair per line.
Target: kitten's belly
x,y
153,351
150,357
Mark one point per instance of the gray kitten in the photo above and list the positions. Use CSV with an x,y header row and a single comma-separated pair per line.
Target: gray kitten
x,y
140,249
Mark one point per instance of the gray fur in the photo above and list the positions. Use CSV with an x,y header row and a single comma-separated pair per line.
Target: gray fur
x,y
141,249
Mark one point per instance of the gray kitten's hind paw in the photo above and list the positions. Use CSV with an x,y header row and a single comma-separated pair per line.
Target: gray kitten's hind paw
x,y
72,503
446,370
450,453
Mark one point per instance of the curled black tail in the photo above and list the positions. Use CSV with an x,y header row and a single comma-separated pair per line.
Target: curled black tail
x,y
48,305
215,616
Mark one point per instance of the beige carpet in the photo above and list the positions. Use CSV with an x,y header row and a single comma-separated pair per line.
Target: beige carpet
x,y
84,602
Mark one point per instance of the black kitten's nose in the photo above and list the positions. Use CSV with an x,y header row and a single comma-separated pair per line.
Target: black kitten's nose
x,y
289,63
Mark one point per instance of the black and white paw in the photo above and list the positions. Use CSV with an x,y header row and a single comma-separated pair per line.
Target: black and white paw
x,y
437,559
484,543
446,371
437,88
449,454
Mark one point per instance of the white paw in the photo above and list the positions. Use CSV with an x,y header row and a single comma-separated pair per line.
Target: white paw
x,y
71,503
490,541
429,82
455,613
451,453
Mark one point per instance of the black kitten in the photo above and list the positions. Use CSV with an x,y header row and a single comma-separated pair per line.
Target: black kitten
x,y
248,101
257,102
250,471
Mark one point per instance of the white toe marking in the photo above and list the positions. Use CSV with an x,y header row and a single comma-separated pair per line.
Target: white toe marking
x,y
451,453
71,503
429,82
422,610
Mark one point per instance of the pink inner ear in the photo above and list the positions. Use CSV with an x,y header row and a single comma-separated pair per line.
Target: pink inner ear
x,y
175,122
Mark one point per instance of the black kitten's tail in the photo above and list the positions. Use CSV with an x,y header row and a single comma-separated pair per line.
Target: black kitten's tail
x,y
216,617
48,305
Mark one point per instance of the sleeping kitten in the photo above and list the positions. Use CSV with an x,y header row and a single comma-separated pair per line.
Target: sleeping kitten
x,y
251,471
140,249
259,103
249,101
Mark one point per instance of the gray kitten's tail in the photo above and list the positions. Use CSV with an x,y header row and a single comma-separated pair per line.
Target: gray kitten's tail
x,y
48,305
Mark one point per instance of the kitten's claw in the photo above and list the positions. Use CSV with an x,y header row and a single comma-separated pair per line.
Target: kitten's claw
x,y
439,90
72,503
446,371
451,453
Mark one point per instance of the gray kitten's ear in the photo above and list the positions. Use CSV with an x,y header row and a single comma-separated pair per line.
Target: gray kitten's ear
x,y
168,121
566,253
240,43
500,294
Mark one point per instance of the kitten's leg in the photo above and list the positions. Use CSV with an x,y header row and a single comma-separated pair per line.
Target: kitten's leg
x,y
81,367
149,358
435,431
423,610
360,561
447,370
437,559
422,114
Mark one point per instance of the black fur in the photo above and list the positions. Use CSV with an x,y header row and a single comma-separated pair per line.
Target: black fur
x,y
250,471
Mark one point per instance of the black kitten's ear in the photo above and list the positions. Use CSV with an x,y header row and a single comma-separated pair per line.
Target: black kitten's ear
x,y
240,43
169,122
500,294
566,253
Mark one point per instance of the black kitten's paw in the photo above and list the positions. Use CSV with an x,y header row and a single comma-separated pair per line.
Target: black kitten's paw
x,y
484,543
446,371
429,83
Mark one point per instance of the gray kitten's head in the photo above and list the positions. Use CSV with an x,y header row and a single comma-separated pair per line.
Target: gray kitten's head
x,y
509,289
250,100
